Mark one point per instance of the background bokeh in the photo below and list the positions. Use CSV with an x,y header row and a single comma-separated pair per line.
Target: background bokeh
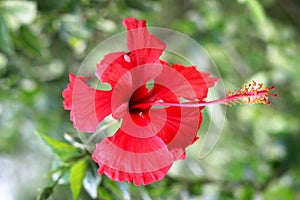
x,y
257,155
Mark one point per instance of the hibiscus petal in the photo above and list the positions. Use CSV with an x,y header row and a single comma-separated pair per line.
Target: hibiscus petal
x,y
138,160
176,83
88,106
137,178
180,128
145,47
113,67
199,81
186,82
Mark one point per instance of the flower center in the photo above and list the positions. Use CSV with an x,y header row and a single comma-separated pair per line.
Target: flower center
x,y
140,115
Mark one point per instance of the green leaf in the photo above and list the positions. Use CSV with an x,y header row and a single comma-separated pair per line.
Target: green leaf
x,y
50,5
279,191
3,63
62,150
46,193
111,186
138,5
29,42
260,19
76,177
246,193
108,189
257,11
6,44
104,194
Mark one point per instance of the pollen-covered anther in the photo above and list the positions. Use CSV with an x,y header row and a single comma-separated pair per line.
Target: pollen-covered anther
x,y
251,93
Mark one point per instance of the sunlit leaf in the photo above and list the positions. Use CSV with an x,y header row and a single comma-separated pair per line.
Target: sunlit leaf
x,y
104,194
260,19
19,12
62,150
279,191
76,177
257,11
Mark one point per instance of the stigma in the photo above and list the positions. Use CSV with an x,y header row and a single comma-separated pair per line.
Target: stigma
x,y
251,93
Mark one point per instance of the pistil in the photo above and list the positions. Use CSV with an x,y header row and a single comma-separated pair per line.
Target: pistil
x,y
252,93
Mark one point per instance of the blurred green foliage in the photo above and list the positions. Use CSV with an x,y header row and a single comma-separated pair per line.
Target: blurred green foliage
x,y
257,155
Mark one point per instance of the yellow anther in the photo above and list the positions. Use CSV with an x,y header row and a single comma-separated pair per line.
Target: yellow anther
x,y
251,93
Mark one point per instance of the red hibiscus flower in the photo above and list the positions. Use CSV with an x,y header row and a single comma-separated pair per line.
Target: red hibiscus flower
x,y
156,126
